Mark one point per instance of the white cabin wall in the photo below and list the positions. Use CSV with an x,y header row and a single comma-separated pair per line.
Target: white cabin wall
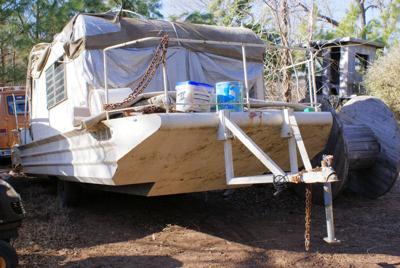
x,y
58,119
40,114
77,86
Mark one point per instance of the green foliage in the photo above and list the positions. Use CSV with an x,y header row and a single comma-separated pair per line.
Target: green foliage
x,y
390,17
200,18
147,8
383,27
381,79
24,23
348,25
230,12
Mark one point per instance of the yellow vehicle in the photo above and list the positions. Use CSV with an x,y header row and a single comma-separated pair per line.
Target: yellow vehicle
x,y
12,114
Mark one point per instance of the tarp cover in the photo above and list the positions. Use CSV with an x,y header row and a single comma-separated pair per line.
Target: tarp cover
x,y
98,31
85,36
126,66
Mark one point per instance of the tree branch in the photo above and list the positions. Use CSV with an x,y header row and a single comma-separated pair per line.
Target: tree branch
x,y
370,6
321,16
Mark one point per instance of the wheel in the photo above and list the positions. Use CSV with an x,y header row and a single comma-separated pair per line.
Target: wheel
x,y
8,256
68,193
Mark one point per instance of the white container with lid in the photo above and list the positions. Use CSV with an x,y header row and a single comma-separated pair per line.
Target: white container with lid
x,y
193,96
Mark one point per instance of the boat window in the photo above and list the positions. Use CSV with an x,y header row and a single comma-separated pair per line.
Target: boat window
x,y
19,104
55,86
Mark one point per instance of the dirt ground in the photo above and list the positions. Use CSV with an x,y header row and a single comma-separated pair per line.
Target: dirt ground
x,y
249,228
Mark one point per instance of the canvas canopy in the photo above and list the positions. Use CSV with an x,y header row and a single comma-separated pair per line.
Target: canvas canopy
x,y
89,31
81,43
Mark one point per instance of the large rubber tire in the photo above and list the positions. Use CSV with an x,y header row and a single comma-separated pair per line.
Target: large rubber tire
x,y
68,193
378,179
8,255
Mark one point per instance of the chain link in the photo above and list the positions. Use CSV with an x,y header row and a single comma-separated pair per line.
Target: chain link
x,y
307,232
158,58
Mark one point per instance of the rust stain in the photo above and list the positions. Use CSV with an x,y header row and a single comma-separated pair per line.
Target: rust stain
x,y
252,115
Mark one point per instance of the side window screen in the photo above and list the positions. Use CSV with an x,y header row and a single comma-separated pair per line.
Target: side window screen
x,y
55,85
361,63
19,104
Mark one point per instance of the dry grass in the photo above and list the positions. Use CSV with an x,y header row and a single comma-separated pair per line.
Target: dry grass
x,y
382,79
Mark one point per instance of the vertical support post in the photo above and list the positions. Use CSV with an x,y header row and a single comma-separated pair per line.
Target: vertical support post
x,y
25,112
229,171
246,82
105,78
105,74
225,135
310,86
314,84
330,227
288,133
165,81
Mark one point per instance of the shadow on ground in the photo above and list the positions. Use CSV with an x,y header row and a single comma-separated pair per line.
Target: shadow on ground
x,y
250,216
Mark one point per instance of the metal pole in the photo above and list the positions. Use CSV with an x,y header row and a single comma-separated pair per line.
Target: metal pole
x,y
165,80
105,79
288,133
209,42
330,227
309,84
225,135
246,82
314,85
25,108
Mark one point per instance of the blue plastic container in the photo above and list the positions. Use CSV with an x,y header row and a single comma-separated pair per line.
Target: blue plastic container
x,y
229,96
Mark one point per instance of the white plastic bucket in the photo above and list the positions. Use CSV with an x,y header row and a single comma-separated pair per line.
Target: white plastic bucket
x,y
192,96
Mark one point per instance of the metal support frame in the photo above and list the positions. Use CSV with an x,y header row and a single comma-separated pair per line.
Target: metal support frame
x,y
243,45
165,83
330,226
228,129
246,82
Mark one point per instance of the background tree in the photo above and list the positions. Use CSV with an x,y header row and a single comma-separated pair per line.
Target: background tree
x,y
24,23
147,8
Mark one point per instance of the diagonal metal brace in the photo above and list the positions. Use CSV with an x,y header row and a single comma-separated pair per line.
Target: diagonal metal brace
x,y
228,129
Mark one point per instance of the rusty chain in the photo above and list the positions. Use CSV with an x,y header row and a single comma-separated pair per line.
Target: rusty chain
x,y
158,58
307,232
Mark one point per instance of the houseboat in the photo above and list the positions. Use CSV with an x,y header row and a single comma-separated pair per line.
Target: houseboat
x,y
135,106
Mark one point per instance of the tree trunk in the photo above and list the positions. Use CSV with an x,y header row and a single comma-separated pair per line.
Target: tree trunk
x,y
37,22
284,33
3,53
363,21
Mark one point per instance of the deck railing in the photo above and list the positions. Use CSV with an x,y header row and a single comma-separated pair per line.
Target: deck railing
x,y
309,64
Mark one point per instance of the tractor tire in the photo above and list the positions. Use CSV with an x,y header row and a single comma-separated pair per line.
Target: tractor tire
x,y
8,255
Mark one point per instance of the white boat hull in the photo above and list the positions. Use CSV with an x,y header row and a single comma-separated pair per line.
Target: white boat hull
x,y
168,153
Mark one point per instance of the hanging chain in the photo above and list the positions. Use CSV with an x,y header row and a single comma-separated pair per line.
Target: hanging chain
x,y
307,232
158,58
